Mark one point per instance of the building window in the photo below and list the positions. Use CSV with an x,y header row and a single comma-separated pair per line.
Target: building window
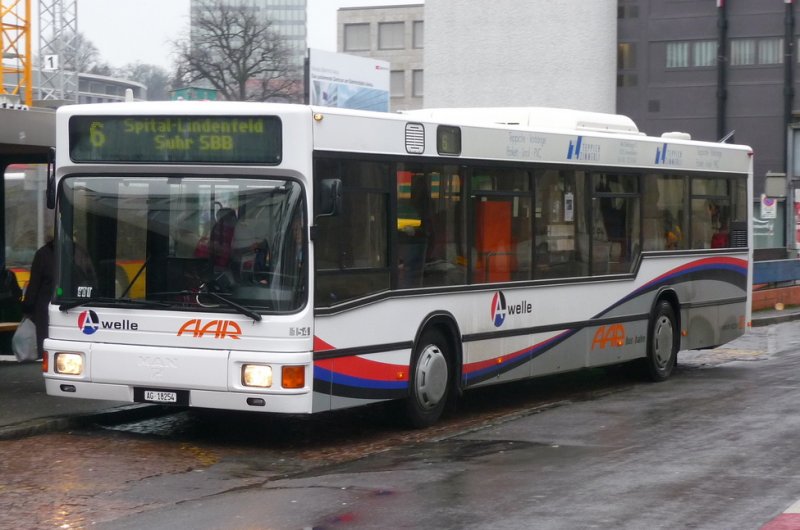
x,y
704,53
419,34
677,54
356,37
629,11
417,82
397,83
743,52
624,80
770,51
697,53
626,55
391,35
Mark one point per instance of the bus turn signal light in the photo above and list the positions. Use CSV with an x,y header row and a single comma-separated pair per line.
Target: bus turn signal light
x,y
293,376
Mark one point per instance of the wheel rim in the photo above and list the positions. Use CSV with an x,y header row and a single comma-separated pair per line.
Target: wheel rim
x,y
663,341
430,381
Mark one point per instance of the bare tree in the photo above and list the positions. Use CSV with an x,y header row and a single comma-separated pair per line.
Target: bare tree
x,y
154,77
238,53
84,56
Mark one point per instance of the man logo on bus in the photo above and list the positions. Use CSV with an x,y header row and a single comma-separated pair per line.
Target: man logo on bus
x,y
88,322
498,309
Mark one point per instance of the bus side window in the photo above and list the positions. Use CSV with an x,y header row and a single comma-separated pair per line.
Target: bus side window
x,y
351,248
662,212
430,226
711,213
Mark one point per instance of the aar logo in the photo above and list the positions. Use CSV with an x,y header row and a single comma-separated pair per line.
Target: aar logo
x,y
88,322
498,309
218,329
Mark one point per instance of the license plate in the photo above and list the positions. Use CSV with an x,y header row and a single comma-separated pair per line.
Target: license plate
x,y
160,396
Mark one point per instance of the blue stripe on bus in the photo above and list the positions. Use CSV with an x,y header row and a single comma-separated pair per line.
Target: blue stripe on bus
x,y
328,377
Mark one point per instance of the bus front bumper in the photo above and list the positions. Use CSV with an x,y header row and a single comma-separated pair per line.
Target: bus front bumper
x,y
233,380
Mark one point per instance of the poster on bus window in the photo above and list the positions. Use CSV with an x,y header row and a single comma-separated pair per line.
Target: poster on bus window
x,y
348,81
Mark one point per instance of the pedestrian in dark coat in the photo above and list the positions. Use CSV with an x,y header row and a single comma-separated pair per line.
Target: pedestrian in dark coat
x,y
39,291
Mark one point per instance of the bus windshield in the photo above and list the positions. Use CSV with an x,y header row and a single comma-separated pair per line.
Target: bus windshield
x,y
182,242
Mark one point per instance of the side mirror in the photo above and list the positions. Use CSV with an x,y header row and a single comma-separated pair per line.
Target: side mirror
x,y
50,194
330,197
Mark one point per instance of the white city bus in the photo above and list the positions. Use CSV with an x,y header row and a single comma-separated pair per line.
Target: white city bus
x,y
293,259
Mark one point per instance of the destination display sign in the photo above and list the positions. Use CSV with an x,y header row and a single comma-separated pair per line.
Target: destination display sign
x,y
176,139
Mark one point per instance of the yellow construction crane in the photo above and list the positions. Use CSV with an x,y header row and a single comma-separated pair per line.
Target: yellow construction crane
x,y
15,43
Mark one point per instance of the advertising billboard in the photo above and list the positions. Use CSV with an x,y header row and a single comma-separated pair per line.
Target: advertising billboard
x,y
348,81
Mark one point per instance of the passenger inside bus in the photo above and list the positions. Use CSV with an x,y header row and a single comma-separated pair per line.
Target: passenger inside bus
x,y
218,244
719,222
614,219
661,229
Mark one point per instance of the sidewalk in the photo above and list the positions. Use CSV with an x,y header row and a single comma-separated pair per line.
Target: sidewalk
x,y
765,317
25,408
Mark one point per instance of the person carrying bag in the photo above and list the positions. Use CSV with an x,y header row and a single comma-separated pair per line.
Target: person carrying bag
x,y
38,293
23,343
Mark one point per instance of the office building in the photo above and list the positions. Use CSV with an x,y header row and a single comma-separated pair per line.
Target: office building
x,y
547,53
711,69
394,34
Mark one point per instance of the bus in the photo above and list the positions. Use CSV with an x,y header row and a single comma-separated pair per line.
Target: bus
x,y
295,259
27,140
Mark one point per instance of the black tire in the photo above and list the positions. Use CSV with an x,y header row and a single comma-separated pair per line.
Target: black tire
x,y
429,381
663,341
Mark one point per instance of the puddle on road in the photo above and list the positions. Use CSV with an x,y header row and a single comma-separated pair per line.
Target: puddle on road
x,y
718,356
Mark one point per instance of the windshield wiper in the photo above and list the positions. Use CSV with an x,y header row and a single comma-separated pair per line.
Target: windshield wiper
x,y
230,303
132,302
216,296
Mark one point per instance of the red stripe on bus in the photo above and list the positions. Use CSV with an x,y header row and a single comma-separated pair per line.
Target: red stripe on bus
x,y
365,368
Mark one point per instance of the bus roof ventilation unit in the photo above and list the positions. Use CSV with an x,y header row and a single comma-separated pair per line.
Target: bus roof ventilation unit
x,y
676,135
531,117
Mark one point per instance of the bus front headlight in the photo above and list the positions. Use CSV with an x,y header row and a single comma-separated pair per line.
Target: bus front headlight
x,y
258,375
68,363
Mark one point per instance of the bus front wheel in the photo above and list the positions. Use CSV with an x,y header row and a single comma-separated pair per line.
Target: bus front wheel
x,y
662,343
429,380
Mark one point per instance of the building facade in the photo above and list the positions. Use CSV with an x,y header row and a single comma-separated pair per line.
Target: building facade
x,y
394,34
92,88
711,69
553,53
104,89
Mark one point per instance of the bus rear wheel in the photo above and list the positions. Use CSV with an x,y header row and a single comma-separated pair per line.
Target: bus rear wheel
x,y
662,343
429,380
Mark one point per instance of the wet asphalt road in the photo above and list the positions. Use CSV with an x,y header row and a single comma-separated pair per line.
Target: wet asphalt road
x,y
713,447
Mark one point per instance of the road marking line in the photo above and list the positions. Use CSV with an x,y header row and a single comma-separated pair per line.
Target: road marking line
x,y
788,520
785,521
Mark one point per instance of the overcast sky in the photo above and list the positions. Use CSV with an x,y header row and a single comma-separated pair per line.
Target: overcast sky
x,y
126,31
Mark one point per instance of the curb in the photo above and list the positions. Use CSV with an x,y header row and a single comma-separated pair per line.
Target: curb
x,y
124,414
774,318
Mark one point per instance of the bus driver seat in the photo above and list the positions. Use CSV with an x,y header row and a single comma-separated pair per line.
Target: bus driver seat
x,y
249,253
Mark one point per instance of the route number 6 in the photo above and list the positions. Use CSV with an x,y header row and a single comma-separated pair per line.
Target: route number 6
x,y
96,135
